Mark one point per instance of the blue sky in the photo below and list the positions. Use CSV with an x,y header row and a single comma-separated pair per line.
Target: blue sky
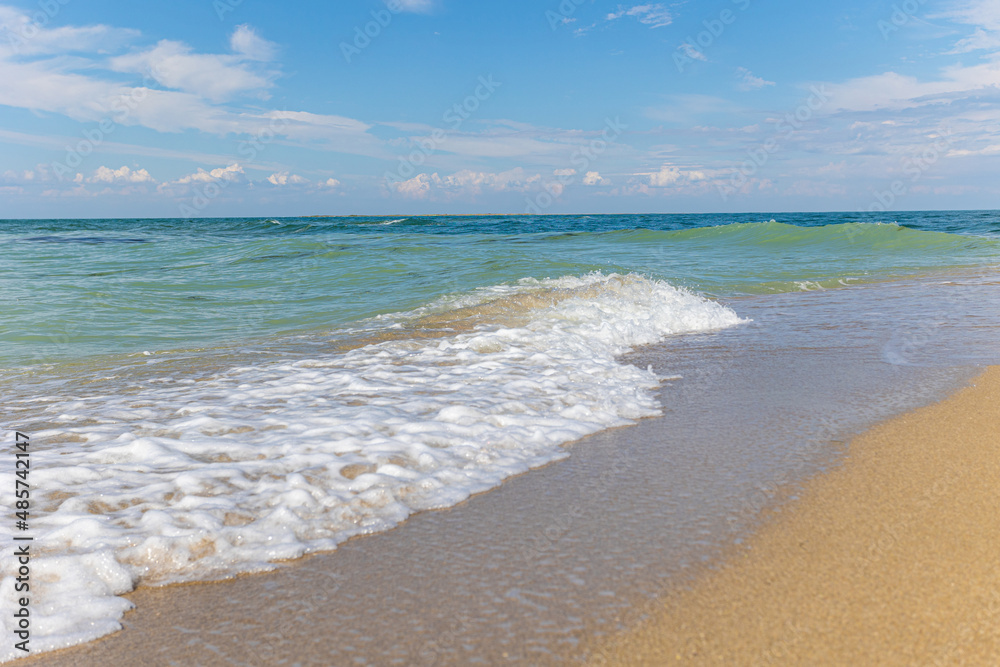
x,y
212,108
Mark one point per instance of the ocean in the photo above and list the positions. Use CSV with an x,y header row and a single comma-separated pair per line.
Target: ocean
x,y
206,398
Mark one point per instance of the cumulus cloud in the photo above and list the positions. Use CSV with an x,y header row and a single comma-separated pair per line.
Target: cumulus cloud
x,y
42,181
594,178
230,173
284,178
42,173
121,175
19,176
417,187
330,183
670,175
465,182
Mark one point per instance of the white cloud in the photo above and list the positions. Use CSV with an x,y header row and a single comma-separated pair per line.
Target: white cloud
x,y
13,176
121,175
246,42
466,183
201,93
330,183
593,178
655,16
78,88
414,6
666,176
306,126
230,173
896,91
984,16
564,172
40,174
215,77
670,175
979,40
747,80
284,178
691,51
44,85
418,187
992,149
25,37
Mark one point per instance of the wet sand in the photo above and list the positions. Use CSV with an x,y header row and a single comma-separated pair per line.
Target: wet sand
x,y
891,559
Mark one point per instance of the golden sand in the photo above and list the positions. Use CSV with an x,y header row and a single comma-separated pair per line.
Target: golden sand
x,y
891,559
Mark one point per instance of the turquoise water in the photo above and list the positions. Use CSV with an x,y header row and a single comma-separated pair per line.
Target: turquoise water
x,y
206,398
75,289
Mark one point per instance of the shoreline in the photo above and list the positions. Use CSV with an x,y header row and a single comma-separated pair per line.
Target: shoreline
x,y
549,565
888,559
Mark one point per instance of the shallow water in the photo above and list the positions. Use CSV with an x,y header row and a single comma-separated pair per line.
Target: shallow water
x,y
541,569
75,289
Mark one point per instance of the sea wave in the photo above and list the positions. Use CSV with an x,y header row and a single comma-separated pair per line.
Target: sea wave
x,y
857,236
184,479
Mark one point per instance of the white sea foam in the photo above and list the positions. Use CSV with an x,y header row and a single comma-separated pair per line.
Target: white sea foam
x,y
195,480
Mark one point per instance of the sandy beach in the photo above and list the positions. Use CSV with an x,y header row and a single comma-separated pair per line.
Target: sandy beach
x,y
891,559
